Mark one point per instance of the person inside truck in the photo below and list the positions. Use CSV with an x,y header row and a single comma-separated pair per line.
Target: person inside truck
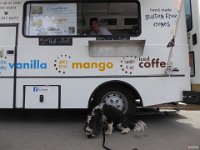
x,y
96,29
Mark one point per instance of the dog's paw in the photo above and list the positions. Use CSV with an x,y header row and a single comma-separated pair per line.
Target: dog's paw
x,y
125,130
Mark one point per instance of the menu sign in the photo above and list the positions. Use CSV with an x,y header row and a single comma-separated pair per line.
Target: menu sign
x,y
52,19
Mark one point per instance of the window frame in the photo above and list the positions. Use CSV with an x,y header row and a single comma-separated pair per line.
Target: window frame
x,y
82,1
192,63
191,16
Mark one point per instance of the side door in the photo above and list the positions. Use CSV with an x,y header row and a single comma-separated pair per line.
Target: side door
x,y
8,44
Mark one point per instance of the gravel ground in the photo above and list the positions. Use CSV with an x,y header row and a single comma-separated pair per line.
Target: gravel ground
x,y
63,130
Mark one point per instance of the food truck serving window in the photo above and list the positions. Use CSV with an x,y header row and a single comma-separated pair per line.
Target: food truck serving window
x,y
73,19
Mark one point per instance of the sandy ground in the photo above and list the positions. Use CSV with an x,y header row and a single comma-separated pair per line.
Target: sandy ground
x,y
180,106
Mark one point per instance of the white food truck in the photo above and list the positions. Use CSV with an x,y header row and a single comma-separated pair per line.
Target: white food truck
x,y
49,59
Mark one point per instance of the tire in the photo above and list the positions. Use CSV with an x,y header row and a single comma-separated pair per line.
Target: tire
x,y
119,96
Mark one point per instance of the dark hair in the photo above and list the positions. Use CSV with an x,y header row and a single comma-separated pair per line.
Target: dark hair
x,y
93,19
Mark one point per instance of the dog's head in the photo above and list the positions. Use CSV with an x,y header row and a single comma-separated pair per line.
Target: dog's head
x,y
93,123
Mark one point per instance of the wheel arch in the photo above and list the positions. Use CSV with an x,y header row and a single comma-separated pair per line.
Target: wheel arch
x,y
115,83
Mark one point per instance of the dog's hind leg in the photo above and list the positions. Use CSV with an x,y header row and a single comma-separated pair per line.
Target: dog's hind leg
x,y
110,128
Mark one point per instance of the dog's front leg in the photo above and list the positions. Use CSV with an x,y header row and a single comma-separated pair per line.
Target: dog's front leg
x,y
110,128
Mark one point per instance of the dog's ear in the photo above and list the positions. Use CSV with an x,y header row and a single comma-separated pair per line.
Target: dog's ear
x,y
85,126
98,113
88,118
86,123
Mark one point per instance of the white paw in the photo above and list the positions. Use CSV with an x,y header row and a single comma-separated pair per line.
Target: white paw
x,y
140,126
125,130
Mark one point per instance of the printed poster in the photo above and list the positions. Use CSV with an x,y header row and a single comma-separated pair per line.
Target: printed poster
x,y
53,19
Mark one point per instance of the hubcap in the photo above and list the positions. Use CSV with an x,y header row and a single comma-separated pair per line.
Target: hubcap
x,y
116,99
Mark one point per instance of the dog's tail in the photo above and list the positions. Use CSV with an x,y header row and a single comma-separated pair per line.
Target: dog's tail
x,y
138,126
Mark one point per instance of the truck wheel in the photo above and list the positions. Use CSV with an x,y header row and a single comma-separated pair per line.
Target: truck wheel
x,y
120,97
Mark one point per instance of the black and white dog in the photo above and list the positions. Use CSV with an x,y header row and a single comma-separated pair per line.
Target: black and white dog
x,y
108,117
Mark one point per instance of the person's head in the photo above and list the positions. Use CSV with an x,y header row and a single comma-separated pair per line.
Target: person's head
x,y
94,24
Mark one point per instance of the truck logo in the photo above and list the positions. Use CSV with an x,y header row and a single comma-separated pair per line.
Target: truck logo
x,y
128,65
151,63
61,63
2,68
40,89
33,64
101,66
35,89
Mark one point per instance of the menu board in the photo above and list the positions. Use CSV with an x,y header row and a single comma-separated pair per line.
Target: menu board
x,y
52,19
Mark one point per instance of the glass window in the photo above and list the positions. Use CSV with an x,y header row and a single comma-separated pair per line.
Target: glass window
x,y
188,13
74,19
44,19
109,21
